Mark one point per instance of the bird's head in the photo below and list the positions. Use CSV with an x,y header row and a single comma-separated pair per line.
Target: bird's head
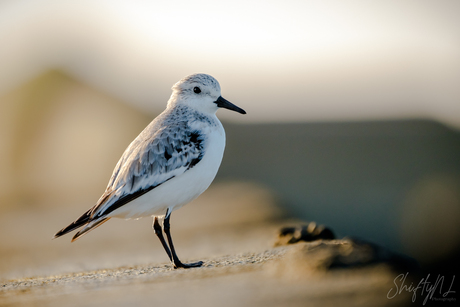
x,y
202,93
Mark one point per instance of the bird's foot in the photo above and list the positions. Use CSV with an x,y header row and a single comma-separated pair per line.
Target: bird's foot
x,y
179,264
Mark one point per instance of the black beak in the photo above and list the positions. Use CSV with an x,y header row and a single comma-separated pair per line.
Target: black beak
x,y
224,103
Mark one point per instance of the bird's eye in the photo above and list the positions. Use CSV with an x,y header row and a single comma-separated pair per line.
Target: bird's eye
x,y
196,90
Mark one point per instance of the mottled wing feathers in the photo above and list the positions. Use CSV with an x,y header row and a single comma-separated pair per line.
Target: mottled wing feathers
x,y
147,163
158,154
166,148
123,201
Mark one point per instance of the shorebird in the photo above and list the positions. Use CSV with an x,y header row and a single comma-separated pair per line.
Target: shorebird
x,y
170,163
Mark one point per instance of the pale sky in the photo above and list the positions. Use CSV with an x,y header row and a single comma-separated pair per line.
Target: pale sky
x,y
281,61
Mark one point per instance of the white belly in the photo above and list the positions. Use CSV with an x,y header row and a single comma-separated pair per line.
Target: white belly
x,y
182,189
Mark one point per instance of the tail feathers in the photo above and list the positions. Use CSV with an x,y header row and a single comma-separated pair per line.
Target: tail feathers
x,y
90,226
81,221
84,220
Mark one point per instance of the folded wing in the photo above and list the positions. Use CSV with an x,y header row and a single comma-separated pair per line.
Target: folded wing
x,y
147,163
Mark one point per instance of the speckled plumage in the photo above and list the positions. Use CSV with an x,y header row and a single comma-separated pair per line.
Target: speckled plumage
x,y
166,148
171,162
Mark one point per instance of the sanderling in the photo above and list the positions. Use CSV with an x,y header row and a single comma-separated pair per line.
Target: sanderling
x,y
169,164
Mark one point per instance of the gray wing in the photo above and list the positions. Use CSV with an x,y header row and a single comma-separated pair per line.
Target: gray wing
x,y
148,162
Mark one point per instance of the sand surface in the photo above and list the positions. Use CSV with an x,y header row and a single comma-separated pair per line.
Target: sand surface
x,y
251,279
232,229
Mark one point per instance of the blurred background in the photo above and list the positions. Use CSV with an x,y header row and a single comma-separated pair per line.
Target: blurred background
x,y
353,120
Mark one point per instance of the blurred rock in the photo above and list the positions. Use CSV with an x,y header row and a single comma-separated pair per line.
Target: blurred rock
x,y
306,233
320,256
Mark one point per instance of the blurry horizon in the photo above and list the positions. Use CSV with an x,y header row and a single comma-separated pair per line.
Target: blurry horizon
x,y
296,61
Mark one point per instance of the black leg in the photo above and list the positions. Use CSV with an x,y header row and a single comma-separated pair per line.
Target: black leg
x,y
176,262
159,233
